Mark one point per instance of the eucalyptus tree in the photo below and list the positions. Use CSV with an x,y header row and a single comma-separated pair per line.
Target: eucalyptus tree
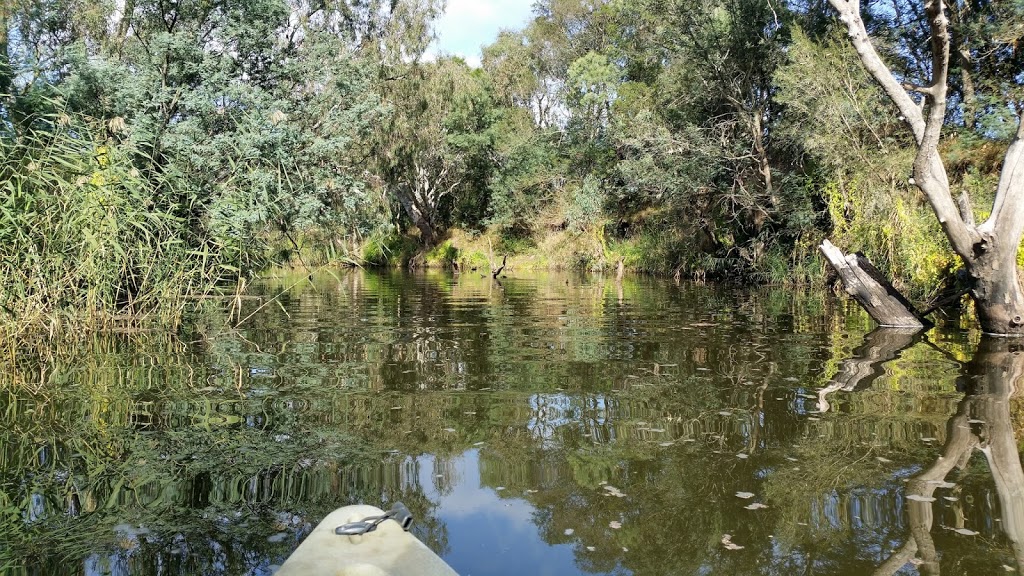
x,y
203,128
698,86
988,249
431,151
518,73
248,115
526,73
723,54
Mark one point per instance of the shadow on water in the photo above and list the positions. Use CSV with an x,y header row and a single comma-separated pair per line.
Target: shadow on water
x,y
547,425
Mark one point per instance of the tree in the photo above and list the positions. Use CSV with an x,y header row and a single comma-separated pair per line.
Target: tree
x,y
430,147
592,83
150,149
512,66
989,249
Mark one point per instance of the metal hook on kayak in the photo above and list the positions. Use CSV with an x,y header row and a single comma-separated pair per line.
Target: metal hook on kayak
x,y
398,512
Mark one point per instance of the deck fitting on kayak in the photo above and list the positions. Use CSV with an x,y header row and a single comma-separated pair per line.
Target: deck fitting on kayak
x,y
398,512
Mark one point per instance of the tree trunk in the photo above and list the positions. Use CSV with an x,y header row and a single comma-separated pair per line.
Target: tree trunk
x,y
988,250
419,218
982,422
998,298
6,71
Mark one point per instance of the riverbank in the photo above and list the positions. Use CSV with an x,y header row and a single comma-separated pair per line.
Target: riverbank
x,y
662,253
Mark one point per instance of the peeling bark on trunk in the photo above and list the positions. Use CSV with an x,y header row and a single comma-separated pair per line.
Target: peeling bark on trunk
x,y
988,250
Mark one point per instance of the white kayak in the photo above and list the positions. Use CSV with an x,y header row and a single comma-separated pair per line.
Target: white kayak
x,y
336,547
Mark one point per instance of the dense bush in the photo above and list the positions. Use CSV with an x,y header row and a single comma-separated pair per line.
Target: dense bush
x,y
186,145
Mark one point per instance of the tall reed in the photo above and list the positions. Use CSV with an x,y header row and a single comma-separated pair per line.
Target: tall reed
x,y
86,240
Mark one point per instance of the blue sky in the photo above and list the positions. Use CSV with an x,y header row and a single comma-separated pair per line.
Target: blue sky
x,y
469,24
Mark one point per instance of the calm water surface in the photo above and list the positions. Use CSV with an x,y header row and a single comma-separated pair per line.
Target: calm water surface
x,y
546,424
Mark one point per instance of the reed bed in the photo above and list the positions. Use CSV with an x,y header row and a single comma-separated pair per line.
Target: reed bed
x,y
88,241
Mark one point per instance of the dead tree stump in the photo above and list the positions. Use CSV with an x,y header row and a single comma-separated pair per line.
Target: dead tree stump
x,y
871,290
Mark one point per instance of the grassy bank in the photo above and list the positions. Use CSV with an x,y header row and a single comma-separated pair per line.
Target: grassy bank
x,y
661,253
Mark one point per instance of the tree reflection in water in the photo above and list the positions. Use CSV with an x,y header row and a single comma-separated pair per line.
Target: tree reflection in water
x,y
867,362
981,423
504,418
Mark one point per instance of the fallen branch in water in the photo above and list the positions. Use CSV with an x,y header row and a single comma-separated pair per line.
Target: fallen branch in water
x,y
871,290
496,271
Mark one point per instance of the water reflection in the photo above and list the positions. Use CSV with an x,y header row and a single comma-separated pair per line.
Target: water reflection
x,y
982,423
867,363
562,425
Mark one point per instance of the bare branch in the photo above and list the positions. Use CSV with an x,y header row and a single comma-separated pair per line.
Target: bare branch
x,y
929,172
1008,207
936,94
966,212
926,90
849,14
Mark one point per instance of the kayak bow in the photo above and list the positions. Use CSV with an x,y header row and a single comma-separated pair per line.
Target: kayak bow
x,y
364,541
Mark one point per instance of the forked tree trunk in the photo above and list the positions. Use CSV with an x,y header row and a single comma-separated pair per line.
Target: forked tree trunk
x,y
420,191
419,217
989,249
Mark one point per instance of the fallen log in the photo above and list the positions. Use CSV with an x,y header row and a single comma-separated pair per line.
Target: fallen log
x,y
496,271
871,290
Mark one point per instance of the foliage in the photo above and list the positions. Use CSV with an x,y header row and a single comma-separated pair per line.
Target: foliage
x,y
690,137
859,156
220,127
526,176
432,152
388,249
84,233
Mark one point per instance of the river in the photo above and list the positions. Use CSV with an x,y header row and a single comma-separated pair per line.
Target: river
x,y
538,424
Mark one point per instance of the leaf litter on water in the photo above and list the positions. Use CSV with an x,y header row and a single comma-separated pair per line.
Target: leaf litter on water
x,y
729,544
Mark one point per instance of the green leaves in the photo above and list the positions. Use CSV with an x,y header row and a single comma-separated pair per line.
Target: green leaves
x,y
228,122
592,80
